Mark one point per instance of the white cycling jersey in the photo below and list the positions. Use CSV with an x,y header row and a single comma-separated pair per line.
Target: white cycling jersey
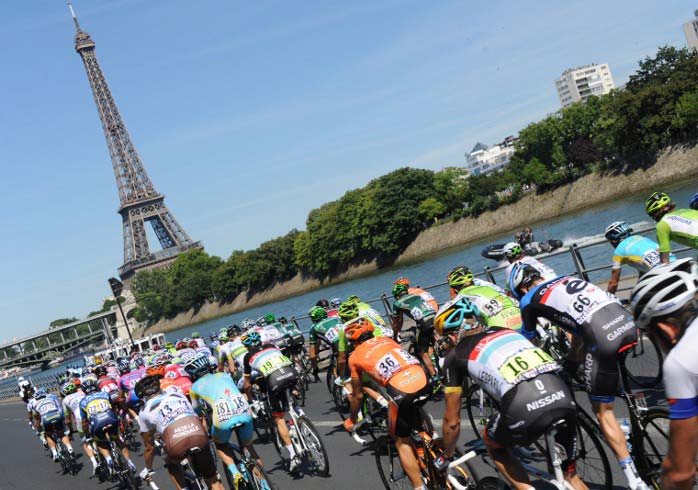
x,y
681,375
546,272
162,410
71,403
270,334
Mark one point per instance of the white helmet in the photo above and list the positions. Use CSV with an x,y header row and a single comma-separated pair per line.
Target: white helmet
x,y
663,290
512,250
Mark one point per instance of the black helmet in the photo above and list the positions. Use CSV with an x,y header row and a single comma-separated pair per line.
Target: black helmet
x,y
323,303
100,371
234,330
147,386
89,386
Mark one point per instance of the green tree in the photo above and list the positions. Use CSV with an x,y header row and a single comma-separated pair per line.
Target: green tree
x,y
431,208
60,322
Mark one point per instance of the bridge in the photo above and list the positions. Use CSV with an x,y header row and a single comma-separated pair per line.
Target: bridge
x,y
41,348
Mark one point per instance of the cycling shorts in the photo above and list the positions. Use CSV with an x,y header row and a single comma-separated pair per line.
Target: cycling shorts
x,y
276,383
608,331
529,408
406,401
54,427
242,425
104,424
186,437
425,335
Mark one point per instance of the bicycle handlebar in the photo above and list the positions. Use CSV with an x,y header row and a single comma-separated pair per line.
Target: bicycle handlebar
x,y
355,435
457,462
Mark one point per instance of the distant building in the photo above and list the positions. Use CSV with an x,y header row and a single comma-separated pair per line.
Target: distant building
x,y
484,159
690,29
579,83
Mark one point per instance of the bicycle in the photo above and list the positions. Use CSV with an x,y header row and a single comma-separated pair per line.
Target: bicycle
x,y
120,469
592,462
254,474
64,457
128,429
305,439
372,418
427,448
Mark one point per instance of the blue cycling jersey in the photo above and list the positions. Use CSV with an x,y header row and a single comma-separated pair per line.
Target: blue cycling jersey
x,y
49,408
638,252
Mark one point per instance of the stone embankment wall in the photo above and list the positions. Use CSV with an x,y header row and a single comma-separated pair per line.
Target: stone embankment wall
x,y
672,167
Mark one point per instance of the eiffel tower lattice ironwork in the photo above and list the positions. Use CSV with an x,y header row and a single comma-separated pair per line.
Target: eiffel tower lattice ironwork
x,y
140,202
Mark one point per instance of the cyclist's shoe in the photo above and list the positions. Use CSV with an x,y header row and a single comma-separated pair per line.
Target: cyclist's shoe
x,y
294,465
55,458
239,481
95,469
131,466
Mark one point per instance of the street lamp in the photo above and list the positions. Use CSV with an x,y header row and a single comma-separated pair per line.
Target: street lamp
x,y
116,288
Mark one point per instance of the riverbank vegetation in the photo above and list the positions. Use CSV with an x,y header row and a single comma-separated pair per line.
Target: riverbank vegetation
x,y
614,133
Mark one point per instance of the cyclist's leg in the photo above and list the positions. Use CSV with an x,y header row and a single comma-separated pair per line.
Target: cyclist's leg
x,y
399,430
65,436
425,335
115,435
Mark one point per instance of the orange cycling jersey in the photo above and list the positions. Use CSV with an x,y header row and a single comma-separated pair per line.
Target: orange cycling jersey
x,y
387,363
426,296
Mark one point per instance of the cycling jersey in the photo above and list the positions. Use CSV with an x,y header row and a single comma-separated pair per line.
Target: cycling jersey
x,y
680,226
638,252
163,410
225,351
71,404
681,375
497,359
176,376
546,272
277,372
266,361
97,409
227,406
186,354
482,282
366,311
129,380
200,342
378,331
236,351
597,316
418,304
496,309
270,334
109,386
326,330
48,408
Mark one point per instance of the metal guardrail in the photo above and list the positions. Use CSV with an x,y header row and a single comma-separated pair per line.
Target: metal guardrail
x,y
47,381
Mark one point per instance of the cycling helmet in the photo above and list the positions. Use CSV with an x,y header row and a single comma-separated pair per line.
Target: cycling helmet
x,y
453,315
193,344
198,366
359,330
156,347
169,345
181,345
223,337
317,314
89,386
323,303
269,318
247,323
347,311
124,366
100,371
353,299
656,202
68,389
460,276
147,386
522,275
512,250
155,371
195,335
617,230
335,302
663,290
693,203
251,339
234,330
261,321
41,393
400,287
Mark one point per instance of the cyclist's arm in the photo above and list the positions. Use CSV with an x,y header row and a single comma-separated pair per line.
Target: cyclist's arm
x,y
613,282
453,391
678,467
231,363
357,392
528,321
149,451
664,240
396,321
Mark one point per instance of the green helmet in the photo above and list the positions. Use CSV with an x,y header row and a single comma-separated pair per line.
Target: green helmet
x,y
169,345
460,276
400,287
195,335
353,299
317,313
223,337
270,318
348,311
656,202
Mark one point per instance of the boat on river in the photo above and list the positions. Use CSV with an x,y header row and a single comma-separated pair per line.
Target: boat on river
x,y
496,250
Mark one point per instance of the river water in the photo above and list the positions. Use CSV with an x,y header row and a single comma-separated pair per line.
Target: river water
x,y
575,228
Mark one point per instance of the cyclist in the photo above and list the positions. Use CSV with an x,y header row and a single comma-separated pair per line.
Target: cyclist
x,y
99,420
171,416
515,254
216,398
25,389
518,376
459,276
637,251
107,384
326,330
276,373
678,225
664,303
196,337
334,306
372,314
49,419
495,307
606,329
72,396
420,306
226,360
404,381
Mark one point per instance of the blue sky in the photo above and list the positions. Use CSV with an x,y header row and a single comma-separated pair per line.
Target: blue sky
x,y
247,115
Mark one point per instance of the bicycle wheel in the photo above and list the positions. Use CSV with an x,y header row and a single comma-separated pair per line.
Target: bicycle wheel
x,y
258,476
389,467
592,464
126,476
318,453
655,444
480,407
644,363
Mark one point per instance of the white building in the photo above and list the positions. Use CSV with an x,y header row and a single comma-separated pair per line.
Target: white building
x,y
484,159
690,29
577,84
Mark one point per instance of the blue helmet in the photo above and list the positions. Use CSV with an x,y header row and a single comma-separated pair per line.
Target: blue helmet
x,y
617,230
693,203
251,339
41,393
453,315
522,275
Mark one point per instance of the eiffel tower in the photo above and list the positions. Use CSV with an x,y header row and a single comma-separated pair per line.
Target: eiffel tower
x,y
140,202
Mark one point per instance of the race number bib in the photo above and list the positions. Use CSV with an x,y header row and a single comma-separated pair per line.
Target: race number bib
x,y
46,408
492,307
652,257
98,406
271,365
332,335
523,364
109,387
416,313
388,365
228,408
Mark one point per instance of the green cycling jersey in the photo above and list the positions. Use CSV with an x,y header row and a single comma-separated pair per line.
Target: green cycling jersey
x,y
327,330
496,309
680,226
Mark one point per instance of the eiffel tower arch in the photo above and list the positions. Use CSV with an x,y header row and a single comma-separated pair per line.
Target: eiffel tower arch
x,y
140,204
